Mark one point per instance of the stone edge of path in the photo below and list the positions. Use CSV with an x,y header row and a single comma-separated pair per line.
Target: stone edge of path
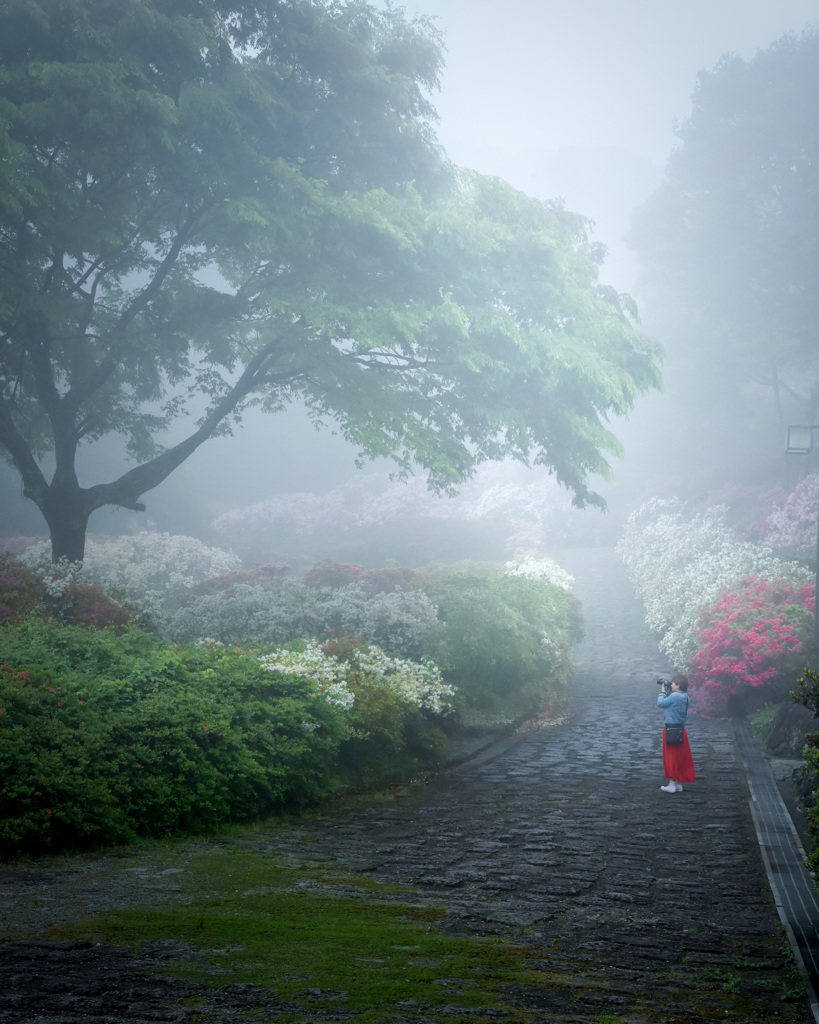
x,y
794,892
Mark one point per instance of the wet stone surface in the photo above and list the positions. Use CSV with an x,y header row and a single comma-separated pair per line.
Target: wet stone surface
x,y
637,905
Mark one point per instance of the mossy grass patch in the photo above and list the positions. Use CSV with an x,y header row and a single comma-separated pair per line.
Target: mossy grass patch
x,y
303,932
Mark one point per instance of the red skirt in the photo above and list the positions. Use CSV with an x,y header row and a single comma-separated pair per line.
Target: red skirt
x,y
677,760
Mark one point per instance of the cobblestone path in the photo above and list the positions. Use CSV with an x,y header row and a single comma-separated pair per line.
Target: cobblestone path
x,y
642,906
639,907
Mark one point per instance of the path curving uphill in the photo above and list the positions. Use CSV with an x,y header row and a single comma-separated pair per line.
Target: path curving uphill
x,y
638,904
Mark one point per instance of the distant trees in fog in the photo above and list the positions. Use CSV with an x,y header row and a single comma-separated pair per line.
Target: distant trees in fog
x,y
730,249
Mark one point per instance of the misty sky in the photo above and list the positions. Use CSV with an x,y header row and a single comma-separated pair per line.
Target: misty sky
x,y
577,98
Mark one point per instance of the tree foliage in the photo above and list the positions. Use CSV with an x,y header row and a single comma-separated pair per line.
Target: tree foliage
x,y
247,204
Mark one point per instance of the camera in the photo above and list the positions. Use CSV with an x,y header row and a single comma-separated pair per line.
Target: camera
x,y
666,685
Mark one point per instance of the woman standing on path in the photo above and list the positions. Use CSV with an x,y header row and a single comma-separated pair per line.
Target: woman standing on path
x,y
678,763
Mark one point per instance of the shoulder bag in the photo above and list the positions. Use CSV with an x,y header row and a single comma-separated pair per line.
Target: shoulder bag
x,y
674,732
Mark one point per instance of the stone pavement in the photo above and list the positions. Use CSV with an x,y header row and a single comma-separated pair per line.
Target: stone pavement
x,y
638,906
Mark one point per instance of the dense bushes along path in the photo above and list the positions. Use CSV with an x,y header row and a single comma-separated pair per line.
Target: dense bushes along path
x,y
621,903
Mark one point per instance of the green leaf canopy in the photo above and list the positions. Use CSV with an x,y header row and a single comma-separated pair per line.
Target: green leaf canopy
x,y
249,203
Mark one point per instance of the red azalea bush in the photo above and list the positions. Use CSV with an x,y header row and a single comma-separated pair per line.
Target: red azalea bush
x,y
21,591
749,639
258,576
83,604
328,573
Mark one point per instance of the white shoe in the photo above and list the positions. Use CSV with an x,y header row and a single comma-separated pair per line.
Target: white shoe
x,y
678,787
670,788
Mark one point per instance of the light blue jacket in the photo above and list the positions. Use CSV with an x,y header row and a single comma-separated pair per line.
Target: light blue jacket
x,y
676,706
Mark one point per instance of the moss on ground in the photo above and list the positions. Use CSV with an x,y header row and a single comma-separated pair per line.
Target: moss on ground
x,y
301,929
302,940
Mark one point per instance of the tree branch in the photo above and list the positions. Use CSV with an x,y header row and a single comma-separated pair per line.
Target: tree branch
x,y
34,483
95,380
131,485
382,360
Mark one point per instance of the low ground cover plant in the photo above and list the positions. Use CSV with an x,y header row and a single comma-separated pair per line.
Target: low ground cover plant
x,y
274,931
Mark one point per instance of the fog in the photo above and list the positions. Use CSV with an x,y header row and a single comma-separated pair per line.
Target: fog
x,y
579,99
574,100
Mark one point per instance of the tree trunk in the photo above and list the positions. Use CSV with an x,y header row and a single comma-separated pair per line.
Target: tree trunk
x,y
67,516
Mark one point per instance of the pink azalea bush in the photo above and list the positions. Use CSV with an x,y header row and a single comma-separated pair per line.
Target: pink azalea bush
x,y
791,523
748,638
525,509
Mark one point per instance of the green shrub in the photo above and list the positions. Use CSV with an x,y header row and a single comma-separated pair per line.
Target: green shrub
x,y
396,721
504,640
807,695
810,794
104,737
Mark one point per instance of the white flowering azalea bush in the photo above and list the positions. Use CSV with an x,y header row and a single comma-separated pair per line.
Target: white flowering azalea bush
x,y
544,569
334,666
148,573
393,706
310,659
418,683
398,621
714,601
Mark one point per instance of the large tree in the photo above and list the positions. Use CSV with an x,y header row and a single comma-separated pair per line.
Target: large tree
x,y
247,202
730,247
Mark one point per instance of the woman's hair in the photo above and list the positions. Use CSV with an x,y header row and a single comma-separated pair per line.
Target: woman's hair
x,y
682,683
